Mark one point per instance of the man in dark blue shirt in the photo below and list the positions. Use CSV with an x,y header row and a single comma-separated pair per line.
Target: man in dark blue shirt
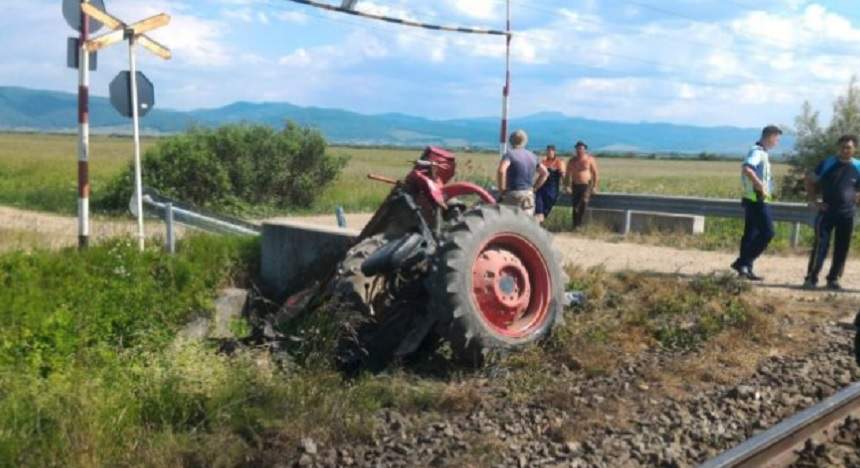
x,y
837,180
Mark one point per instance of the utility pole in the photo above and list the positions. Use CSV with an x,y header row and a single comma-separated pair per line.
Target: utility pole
x,y
506,92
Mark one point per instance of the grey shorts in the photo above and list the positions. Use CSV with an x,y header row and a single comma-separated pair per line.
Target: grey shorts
x,y
524,199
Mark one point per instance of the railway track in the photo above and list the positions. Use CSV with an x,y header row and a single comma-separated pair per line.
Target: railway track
x,y
780,445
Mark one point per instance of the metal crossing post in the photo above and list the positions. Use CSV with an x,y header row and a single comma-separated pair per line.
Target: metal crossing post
x,y
795,235
138,180
134,33
341,217
628,215
171,229
83,134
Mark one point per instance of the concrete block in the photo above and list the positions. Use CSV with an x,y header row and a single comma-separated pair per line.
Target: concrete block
x,y
612,219
647,222
295,254
229,306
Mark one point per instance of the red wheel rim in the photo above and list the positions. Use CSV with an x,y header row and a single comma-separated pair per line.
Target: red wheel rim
x,y
511,285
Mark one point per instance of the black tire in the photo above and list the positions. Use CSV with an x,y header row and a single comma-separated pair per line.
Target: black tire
x,y
462,323
353,287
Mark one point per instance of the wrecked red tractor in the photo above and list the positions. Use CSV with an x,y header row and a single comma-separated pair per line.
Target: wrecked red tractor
x,y
441,260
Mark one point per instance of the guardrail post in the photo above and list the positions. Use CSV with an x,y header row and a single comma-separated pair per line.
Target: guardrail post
x,y
628,215
341,217
171,233
795,235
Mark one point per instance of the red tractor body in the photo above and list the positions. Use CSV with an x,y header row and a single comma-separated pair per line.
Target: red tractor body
x,y
440,260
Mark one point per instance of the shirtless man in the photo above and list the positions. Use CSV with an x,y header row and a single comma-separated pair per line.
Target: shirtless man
x,y
581,180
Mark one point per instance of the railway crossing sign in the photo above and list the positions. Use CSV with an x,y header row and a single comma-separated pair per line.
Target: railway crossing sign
x,y
72,14
120,94
121,31
132,94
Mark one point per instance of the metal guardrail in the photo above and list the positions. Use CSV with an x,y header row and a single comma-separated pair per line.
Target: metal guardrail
x,y
795,213
716,207
173,211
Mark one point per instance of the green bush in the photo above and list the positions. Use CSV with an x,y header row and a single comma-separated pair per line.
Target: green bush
x,y
814,142
235,168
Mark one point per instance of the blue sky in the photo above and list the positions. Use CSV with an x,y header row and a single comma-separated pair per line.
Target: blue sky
x,y
702,62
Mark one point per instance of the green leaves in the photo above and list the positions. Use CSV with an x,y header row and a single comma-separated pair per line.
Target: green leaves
x,y
236,168
814,142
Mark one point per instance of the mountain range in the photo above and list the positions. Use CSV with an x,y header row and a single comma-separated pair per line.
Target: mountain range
x,y
23,109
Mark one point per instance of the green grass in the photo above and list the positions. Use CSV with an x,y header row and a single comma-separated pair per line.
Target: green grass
x,y
39,172
92,372
628,312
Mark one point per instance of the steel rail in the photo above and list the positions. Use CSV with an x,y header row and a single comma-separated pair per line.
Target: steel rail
x,y
777,446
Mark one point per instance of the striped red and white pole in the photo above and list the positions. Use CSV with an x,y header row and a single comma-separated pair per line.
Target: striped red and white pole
x,y
506,91
83,135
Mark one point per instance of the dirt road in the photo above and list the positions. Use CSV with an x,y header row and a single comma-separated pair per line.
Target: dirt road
x,y
22,229
782,273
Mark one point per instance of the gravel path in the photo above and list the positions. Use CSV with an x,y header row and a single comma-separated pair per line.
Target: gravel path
x,y
782,273
842,450
628,423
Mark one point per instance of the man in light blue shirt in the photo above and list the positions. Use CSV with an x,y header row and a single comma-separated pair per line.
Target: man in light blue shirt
x,y
757,183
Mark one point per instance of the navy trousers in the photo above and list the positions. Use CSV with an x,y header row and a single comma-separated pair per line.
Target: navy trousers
x,y
758,231
840,227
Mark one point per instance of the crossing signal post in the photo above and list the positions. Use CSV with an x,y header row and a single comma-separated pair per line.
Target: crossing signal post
x,y
84,62
132,94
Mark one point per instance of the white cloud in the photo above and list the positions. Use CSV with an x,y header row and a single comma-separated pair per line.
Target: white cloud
x,y
194,40
358,47
757,66
478,9
291,16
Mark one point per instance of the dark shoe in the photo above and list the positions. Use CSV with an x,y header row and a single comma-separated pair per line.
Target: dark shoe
x,y
810,284
752,276
834,285
736,265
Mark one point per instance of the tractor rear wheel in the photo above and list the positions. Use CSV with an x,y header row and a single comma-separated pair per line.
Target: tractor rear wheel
x,y
497,283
